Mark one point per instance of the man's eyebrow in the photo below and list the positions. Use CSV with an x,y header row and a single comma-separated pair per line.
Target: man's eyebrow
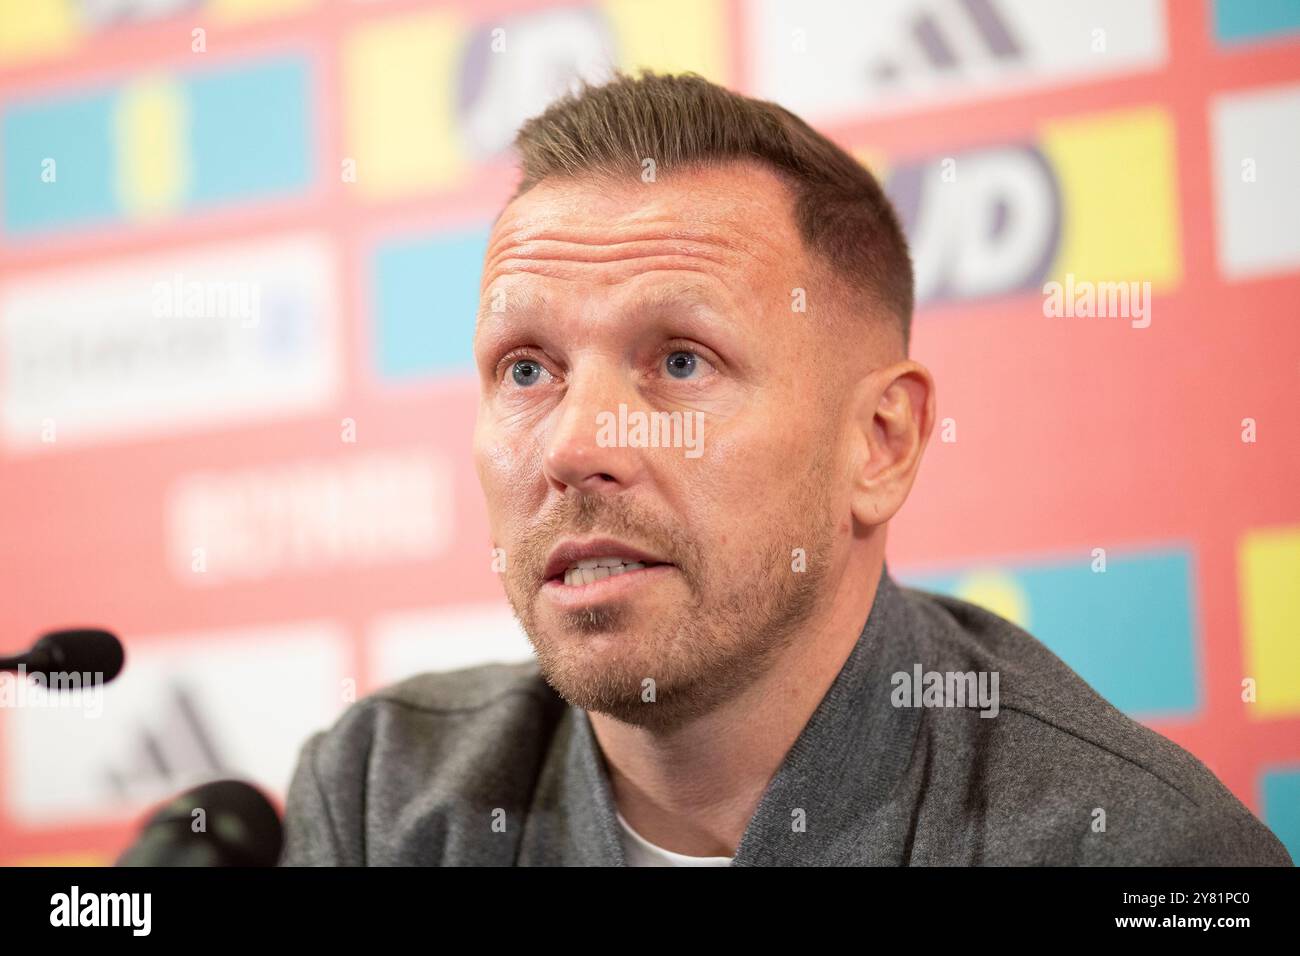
x,y
518,301
524,300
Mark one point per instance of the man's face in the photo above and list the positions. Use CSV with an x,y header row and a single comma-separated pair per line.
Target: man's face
x,y
601,306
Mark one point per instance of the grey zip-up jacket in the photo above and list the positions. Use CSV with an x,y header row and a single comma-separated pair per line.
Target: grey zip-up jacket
x,y
489,766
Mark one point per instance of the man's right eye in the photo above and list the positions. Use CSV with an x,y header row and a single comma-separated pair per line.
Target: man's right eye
x,y
526,372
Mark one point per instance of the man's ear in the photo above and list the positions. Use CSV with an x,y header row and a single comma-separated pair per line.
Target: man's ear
x,y
894,417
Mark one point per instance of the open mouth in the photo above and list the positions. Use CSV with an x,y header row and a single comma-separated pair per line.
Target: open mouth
x,y
591,570
605,571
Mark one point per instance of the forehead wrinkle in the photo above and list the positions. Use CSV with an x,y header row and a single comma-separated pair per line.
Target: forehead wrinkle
x,y
557,257
539,243
700,230
618,271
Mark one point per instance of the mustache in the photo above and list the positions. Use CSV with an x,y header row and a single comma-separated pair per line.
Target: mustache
x,y
589,514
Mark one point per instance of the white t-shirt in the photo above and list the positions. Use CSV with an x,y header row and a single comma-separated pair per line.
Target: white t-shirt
x,y
641,852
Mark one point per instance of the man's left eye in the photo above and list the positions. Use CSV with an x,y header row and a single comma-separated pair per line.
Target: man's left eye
x,y
681,364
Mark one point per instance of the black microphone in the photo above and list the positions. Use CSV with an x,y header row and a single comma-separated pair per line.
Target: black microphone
x,y
238,826
79,651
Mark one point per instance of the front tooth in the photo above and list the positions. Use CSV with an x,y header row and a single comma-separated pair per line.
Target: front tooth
x,y
591,570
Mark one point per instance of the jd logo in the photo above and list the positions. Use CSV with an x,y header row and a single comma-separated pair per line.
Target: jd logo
x,y
982,223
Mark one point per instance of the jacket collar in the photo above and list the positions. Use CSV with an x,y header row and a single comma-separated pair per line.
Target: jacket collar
x,y
817,806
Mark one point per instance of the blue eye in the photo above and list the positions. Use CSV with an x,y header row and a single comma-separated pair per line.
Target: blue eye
x,y
526,372
681,364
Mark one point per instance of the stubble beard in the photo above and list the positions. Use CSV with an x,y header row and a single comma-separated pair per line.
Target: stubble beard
x,y
736,623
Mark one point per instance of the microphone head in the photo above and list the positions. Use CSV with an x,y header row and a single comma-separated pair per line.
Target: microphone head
x,y
238,826
80,650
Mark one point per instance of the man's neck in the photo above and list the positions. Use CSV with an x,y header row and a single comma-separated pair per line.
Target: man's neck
x,y
694,789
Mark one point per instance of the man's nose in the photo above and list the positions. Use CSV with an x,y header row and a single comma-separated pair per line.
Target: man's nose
x,y
584,451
